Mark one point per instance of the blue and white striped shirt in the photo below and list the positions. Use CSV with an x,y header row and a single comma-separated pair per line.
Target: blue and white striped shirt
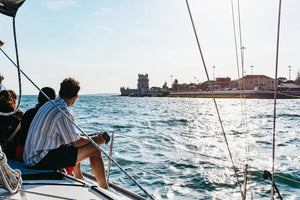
x,y
49,130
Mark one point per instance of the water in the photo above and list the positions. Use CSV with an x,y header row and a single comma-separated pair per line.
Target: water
x,y
174,147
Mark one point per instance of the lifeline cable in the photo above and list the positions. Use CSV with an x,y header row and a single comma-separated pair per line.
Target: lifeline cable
x,y
19,74
88,137
215,103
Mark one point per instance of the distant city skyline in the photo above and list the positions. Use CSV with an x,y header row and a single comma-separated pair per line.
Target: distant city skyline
x,y
105,44
196,81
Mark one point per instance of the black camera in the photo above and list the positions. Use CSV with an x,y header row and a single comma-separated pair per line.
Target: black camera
x,y
106,137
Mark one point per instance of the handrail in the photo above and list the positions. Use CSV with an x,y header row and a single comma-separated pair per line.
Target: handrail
x,y
110,154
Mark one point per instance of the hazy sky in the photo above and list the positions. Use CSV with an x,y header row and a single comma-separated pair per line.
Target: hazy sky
x,y
105,44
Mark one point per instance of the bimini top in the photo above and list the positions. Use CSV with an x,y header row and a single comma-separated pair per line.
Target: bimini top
x,y
10,7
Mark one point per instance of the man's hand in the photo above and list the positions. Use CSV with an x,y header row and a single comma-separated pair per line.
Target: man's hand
x,y
98,138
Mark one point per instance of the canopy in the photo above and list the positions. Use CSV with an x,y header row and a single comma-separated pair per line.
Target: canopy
x,y
10,7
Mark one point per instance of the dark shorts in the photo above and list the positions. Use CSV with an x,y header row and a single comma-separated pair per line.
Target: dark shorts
x,y
63,157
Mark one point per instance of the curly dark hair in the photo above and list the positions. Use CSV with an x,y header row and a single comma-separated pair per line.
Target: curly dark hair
x,y
69,88
6,101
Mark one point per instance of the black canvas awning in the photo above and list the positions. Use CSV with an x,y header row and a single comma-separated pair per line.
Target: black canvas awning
x,y
10,7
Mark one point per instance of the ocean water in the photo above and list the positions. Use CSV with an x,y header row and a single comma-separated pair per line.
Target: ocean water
x,y
175,148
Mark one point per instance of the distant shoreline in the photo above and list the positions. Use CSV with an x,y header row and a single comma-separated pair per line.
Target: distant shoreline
x,y
248,94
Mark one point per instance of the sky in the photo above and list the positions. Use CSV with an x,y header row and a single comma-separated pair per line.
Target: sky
x,y
105,44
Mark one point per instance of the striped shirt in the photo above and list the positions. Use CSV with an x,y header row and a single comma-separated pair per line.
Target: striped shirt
x,y
49,130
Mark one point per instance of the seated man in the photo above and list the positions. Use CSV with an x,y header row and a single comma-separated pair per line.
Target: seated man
x,y
53,143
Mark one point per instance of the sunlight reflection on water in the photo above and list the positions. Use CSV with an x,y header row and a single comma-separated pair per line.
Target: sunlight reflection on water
x,y
179,145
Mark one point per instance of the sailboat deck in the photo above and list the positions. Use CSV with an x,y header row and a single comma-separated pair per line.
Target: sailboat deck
x,y
47,184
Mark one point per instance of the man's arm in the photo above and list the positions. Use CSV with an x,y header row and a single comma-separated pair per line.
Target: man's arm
x,y
81,142
84,141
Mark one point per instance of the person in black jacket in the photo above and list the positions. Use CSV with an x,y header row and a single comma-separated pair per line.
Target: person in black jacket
x,y
9,125
28,117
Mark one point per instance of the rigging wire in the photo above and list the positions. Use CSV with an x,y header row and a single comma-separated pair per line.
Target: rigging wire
x,y
242,49
88,137
235,40
243,108
242,52
243,100
212,92
242,63
19,73
275,99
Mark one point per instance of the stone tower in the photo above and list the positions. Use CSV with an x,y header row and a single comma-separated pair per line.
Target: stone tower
x,y
143,82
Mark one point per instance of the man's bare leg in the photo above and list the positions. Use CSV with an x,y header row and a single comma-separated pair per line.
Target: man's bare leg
x,y
77,170
97,166
96,161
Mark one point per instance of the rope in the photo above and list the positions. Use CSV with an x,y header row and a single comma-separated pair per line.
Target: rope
x,y
19,74
85,134
9,178
275,98
215,103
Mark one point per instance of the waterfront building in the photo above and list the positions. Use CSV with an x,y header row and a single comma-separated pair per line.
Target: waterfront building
x,y
226,83
143,82
143,86
129,92
289,87
256,82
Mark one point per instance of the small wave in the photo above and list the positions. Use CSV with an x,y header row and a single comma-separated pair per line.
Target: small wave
x,y
288,115
126,162
264,142
182,165
237,133
118,127
174,122
199,182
